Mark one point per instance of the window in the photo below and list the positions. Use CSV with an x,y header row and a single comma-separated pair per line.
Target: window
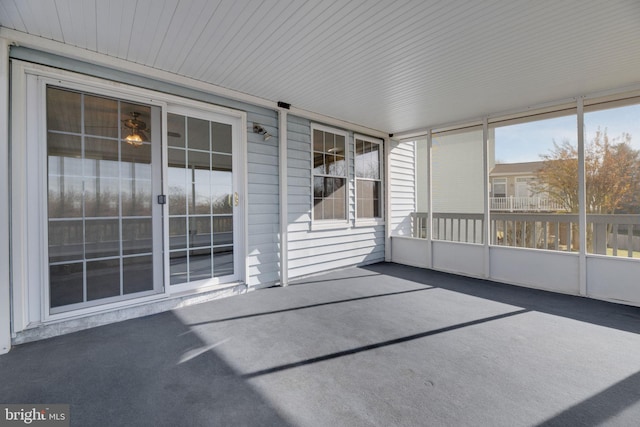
x,y
368,182
500,187
329,174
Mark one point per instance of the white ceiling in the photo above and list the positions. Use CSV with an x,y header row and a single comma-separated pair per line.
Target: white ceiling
x,y
391,65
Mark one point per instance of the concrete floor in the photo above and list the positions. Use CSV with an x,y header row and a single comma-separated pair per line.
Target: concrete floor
x,y
382,345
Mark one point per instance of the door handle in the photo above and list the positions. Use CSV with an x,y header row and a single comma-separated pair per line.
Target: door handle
x,y
236,198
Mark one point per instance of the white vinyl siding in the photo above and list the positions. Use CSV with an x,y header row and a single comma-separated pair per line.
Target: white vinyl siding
x,y
402,161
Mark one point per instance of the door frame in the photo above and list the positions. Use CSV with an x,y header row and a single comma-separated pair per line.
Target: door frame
x,y
29,263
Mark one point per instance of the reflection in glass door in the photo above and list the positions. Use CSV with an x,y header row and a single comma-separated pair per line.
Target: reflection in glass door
x,y
102,221
201,200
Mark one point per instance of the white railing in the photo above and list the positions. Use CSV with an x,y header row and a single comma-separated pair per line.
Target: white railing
x,y
615,234
525,204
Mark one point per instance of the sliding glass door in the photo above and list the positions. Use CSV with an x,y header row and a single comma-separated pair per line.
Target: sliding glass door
x,y
104,226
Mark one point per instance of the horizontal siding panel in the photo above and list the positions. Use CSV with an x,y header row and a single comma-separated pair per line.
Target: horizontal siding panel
x,y
329,258
262,178
260,219
265,258
264,279
304,164
300,173
262,188
324,250
269,229
263,248
303,244
263,198
299,191
264,209
262,159
345,262
258,239
302,146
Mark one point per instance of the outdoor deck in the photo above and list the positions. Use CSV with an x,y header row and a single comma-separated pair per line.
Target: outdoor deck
x,y
382,345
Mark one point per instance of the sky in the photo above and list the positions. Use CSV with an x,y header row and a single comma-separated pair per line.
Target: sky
x,y
526,142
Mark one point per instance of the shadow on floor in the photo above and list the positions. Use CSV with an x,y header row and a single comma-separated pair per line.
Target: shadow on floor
x,y
611,315
142,372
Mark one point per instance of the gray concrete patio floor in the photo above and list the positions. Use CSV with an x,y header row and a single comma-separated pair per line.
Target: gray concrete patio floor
x,y
383,345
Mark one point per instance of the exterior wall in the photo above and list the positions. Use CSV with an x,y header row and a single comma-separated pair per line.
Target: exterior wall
x,y
313,251
263,260
402,162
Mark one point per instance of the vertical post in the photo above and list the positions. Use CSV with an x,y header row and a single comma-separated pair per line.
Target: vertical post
x,y
386,162
582,205
284,207
486,211
5,293
430,199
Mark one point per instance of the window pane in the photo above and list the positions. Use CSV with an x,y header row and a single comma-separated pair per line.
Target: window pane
x,y
222,192
223,261
612,170
176,130
534,177
458,190
102,238
199,231
137,274
137,236
178,267
368,199
199,179
66,240
177,182
103,279
221,137
178,232
64,110
223,230
200,264
65,284
198,134
367,160
101,116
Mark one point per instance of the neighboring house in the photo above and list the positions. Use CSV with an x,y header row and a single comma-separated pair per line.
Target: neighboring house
x,y
514,187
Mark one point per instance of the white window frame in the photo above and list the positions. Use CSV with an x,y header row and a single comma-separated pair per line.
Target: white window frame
x,y
324,224
364,222
495,181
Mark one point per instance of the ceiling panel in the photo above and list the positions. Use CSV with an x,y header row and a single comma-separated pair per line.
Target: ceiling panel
x,y
391,65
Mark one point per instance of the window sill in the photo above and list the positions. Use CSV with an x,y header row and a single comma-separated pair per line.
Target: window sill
x,y
330,225
369,222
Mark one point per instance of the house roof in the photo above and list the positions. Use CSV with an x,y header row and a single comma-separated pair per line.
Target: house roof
x,y
390,65
524,168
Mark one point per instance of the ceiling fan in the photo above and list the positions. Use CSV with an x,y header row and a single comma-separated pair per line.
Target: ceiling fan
x,y
138,128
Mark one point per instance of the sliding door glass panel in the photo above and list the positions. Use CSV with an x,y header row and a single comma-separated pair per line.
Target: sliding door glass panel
x,y
100,223
200,178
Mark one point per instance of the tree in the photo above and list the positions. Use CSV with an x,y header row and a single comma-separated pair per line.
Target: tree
x,y
612,174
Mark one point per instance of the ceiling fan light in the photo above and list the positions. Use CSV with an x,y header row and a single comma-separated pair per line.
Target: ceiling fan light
x,y
134,139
